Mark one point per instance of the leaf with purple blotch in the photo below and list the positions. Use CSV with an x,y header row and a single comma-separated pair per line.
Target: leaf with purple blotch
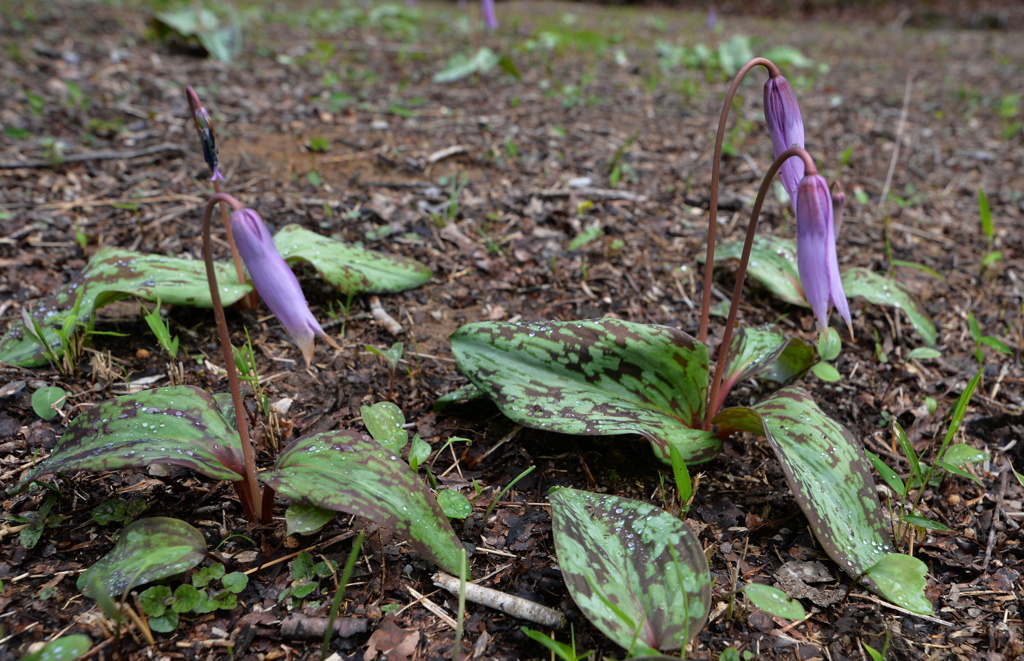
x,y
767,352
635,571
347,472
112,274
597,377
830,477
146,551
179,425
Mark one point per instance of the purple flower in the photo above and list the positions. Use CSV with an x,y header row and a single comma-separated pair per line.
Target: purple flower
x,y
786,128
275,281
490,18
816,250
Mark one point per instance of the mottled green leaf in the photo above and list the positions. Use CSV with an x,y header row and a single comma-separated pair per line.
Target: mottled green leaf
x,y
766,351
635,571
596,377
901,574
774,601
112,274
385,422
179,425
347,472
65,648
772,264
304,519
883,290
352,269
465,393
831,480
146,551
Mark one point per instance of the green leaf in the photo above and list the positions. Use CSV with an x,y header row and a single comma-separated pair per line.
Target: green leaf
x,y
221,38
419,452
305,519
465,393
235,582
154,600
186,598
960,409
961,453
956,470
347,472
146,551
461,66
179,425
684,485
928,524
597,377
883,290
774,601
826,372
996,344
901,574
923,353
562,650
353,270
829,344
888,474
454,504
165,623
385,422
65,648
908,449
766,351
636,572
113,274
986,215
830,477
46,401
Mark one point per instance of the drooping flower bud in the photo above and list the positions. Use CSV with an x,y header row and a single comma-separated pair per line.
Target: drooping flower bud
x,y
275,281
816,250
490,17
207,136
786,128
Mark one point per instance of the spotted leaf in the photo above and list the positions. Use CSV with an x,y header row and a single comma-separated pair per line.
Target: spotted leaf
x,y
635,571
883,290
146,551
347,472
352,269
179,425
831,479
765,351
596,377
112,274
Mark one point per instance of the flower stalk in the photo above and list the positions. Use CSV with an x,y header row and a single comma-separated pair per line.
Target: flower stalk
x,y
248,490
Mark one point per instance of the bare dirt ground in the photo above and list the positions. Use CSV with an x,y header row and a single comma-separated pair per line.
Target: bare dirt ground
x,y
98,150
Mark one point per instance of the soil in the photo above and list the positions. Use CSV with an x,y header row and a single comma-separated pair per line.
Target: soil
x,y
913,114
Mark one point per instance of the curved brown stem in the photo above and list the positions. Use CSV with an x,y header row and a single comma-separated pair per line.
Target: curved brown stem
x,y
705,303
250,300
715,399
250,495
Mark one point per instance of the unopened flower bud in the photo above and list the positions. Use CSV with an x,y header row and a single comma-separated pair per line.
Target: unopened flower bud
x,y
207,136
786,128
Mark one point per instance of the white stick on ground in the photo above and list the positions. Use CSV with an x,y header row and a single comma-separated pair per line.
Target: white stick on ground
x,y
378,312
509,604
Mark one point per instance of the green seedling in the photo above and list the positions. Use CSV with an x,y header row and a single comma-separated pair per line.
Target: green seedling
x,y
501,494
339,594
991,257
565,652
984,340
306,577
164,607
36,523
774,601
161,330
48,401
116,510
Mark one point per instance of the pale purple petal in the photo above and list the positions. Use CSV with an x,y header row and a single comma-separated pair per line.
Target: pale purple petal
x,y
786,128
490,17
816,256
274,280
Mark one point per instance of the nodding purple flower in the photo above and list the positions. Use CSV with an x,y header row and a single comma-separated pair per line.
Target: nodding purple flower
x,y
275,281
207,136
786,128
490,17
816,250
